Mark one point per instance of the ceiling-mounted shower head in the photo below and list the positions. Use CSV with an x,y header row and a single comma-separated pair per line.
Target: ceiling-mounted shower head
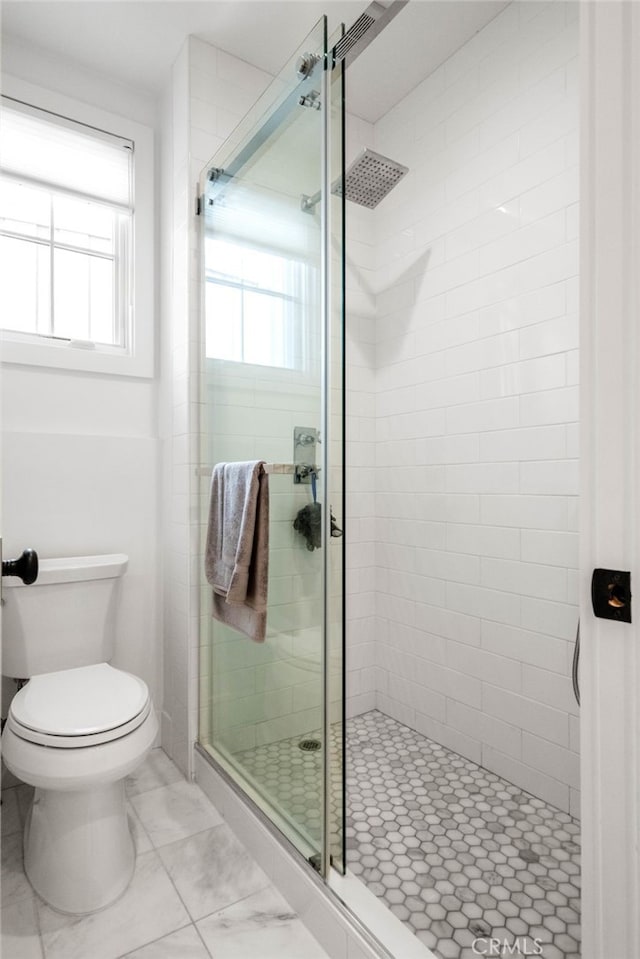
x,y
369,178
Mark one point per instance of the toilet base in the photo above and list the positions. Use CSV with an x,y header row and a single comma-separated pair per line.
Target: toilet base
x,y
79,854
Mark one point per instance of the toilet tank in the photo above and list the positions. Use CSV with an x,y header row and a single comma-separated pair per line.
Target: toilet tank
x,y
66,618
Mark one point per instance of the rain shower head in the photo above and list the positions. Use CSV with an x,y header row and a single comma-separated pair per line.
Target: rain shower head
x,y
369,178
367,181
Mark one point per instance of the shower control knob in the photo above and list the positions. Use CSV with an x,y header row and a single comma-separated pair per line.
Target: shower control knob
x,y
25,567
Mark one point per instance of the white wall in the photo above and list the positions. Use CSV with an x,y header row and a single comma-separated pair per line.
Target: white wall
x,y
46,69
80,451
476,403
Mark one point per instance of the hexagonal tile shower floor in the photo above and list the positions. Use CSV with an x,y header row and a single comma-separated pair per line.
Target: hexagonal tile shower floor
x,y
456,852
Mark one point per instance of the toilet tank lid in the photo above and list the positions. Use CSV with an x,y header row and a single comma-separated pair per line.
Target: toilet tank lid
x,y
74,569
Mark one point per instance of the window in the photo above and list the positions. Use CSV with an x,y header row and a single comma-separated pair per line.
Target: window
x,y
64,266
68,242
254,305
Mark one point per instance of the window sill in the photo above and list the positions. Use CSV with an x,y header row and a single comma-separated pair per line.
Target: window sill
x,y
65,356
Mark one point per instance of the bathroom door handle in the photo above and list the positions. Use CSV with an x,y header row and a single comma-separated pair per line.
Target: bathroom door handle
x,y
25,567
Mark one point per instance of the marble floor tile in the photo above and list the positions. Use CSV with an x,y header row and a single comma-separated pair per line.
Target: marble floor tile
x,y
207,866
157,770
174,812
20,933
212,870
262,925
149,909
15,885
183,944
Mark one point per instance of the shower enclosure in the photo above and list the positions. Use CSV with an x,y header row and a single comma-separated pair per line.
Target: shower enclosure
x,y
452,789
272,390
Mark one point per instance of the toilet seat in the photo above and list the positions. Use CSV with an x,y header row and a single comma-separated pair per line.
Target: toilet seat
x,y
75,708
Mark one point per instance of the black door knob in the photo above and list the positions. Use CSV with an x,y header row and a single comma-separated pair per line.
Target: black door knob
x,y
25,567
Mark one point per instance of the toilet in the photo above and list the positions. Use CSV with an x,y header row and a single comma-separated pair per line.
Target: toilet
x,y
74,730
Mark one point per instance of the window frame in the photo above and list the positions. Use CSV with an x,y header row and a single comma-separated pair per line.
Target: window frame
x,y
137,357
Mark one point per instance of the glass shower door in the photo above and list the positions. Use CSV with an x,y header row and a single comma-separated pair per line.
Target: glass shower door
x,y
266,395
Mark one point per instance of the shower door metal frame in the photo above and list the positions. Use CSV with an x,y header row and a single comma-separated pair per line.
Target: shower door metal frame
x,y
325,308
328,383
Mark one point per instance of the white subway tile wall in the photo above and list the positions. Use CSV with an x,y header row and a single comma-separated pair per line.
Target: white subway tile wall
x,y
471,543
461,444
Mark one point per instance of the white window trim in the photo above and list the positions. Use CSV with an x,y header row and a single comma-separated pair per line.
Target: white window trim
x,y
138,360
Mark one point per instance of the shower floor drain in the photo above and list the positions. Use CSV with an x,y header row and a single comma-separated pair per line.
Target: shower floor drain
x,y
309,745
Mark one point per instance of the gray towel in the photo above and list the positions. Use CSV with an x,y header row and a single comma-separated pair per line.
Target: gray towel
x,y
236,559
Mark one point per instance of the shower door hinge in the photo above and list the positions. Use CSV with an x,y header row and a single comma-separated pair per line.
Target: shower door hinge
x,y
199,204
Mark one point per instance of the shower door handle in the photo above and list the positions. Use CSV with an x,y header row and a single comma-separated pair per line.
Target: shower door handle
x,y
575,676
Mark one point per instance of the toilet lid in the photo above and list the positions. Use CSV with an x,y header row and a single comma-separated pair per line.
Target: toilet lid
x,y
83,706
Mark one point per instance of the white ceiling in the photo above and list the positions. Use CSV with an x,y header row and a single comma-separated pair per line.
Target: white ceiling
x,y
136,41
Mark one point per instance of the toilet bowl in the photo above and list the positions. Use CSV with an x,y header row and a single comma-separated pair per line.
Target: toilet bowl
x,y
74,734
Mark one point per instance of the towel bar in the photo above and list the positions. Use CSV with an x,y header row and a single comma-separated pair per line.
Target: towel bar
x,y
268,467
297,469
